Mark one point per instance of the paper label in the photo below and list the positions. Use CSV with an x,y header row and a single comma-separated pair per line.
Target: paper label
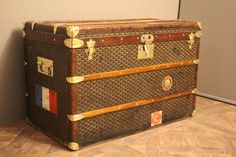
x,y
156,118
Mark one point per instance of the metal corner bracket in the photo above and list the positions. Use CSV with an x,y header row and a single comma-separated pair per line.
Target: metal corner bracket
x,y
72,31
75,79
194,91
196,61
33,24
193,113
75,117
199,24
73,146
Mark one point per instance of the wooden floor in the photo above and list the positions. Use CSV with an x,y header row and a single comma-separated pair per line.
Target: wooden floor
x,y
210,133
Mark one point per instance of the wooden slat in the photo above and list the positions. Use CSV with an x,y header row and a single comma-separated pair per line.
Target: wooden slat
x,y
125,106
116,73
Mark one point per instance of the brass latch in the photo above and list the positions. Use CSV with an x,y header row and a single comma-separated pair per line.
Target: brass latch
x,y
146,49
192,38
90,50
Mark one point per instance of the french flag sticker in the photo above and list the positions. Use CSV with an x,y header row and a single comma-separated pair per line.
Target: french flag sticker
x,y
46,98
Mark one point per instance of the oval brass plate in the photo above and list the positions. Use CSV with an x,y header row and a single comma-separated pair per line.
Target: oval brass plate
x,y
73,43
167,83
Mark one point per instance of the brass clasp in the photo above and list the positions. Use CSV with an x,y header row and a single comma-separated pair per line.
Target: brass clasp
x,y
90,50
146,50
192,38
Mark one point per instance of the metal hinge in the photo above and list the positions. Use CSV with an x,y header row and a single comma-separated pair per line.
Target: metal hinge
x,y
192,38
146,50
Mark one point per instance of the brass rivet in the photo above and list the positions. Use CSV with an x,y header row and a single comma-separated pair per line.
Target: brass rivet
x,y
137,37
121,38
102,40
170,35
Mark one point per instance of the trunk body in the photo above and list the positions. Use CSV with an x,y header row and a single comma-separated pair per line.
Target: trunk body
x,y
88,81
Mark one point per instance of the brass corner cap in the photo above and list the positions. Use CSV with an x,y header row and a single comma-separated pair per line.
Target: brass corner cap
x,y
199,34
199,24
75,79
75,117
194,91
73,146
193,113
72,31
196,61
33,24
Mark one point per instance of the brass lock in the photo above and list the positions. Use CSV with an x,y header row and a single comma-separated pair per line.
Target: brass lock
x,y
146,49
167,83
90,50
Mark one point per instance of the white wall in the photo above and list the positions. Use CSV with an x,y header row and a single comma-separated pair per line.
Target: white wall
x,y
14,13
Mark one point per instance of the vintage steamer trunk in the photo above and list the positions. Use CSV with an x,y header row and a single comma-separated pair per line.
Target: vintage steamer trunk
x,y
88,81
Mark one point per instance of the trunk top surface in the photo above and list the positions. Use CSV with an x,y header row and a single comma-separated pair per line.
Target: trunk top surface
x,y
102,26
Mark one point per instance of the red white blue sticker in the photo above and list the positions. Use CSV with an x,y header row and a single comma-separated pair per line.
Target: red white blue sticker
x,y
46,98
156,118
